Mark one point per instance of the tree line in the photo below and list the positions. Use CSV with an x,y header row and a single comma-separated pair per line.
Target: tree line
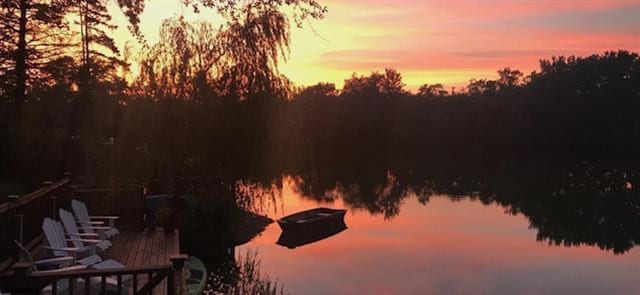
x,y
210,99
64,83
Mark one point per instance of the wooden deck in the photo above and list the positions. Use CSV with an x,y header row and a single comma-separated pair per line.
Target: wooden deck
x,y
138,249
146,253
146,248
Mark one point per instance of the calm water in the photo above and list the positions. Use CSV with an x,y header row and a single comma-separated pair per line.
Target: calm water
x,y
438,243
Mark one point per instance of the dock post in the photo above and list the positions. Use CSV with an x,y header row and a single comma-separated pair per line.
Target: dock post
x,y
177,263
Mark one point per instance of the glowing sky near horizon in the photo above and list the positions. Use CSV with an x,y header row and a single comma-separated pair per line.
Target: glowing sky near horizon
x,y
437,41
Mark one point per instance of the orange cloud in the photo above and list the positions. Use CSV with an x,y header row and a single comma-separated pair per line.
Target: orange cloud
x,y
436,41
430,38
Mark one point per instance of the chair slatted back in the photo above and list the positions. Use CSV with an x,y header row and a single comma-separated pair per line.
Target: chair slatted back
x,y
80,209
70,225
55,235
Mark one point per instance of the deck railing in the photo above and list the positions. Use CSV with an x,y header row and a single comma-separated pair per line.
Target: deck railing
x,y
128,204
21,218
129,280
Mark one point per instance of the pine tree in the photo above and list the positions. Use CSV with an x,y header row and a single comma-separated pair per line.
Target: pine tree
x,y
33,32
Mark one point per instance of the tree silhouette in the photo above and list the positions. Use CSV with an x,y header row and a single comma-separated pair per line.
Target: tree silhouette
x,y
388,84
33,32
432,91
197,61
509,78
253,44
235,10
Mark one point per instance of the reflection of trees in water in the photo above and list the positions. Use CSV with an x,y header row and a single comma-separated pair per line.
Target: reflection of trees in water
x,y
593,206
242,275
569,203
256,197
217,217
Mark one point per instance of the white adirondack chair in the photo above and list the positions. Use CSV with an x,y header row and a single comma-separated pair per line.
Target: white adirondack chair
x,y
59,264
86,221
70,226
58,244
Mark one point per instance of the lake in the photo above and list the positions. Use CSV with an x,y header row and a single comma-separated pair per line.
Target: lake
x,y
461,236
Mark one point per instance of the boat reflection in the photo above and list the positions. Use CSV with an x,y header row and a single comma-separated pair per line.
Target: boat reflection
x,y
296,238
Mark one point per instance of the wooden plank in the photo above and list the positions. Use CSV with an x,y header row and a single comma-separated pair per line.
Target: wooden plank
x,y
153,259
143,253
164,256
146,255
88,272
156,247
133,249
128,248
120,247
141,248
159,259
115,251
163,259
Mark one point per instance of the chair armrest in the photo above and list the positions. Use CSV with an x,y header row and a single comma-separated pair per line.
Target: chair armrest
x,y
91,223
82,234
85,241
98,227
105,217
69,268
55,260
65,249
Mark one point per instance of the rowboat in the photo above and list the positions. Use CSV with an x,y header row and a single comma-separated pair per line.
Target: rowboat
x,y
309,219
196,276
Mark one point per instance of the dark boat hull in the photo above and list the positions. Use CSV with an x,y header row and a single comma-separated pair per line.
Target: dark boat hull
x,y
311,219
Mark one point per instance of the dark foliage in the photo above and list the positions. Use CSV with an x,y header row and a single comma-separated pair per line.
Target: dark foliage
x,y
572,105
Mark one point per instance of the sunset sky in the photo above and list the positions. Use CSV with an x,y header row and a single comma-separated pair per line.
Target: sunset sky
x,y
437,41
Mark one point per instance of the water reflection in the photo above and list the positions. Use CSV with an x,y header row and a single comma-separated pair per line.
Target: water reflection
x,y
450,246
293,239
241,274
573,205
451,228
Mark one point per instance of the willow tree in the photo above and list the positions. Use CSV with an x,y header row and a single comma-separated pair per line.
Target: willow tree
x,y
257,34
238,59
234,10
173,67
253,46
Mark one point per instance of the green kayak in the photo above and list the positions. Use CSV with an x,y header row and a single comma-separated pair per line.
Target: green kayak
x,y
196,276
